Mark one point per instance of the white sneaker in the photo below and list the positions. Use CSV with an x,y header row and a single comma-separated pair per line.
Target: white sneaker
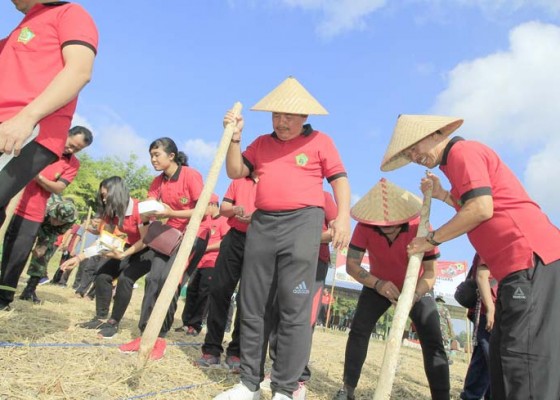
x,y
301,392
239,392
280,396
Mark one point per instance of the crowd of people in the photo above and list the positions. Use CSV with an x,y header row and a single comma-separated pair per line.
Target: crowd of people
x,y
270,236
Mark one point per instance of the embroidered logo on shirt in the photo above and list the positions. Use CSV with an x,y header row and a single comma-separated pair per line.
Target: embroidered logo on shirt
x,y
301,288
301,159
25,35
184,200
518,294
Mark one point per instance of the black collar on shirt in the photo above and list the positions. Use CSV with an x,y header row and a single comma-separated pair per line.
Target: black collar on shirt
x,y
55,3
67,156
404,228
448,149
307,130
175,176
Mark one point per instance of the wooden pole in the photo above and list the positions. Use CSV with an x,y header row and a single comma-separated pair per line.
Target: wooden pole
x,y
404,304
10,209
328,316
83,242
172,282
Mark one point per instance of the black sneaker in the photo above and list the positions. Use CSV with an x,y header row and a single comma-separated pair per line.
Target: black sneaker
x,y
93,324
342,394
108,330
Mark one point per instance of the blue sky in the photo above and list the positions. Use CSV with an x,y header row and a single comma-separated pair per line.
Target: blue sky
x,y
173,68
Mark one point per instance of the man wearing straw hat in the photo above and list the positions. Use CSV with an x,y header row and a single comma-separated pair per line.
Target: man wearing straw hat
x,y
510,232
388,218
283,241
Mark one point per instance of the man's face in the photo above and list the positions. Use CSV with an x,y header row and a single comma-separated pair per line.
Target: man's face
x,y
24,5
425,152
288,126
75,144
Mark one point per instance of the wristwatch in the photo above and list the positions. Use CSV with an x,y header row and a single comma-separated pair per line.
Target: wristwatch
x,y
430,239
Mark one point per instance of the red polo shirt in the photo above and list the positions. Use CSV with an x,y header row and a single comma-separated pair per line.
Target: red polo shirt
x,y
388,261
241,192
218,229
518,228
33,201
180,192
331,212
31,57
291,172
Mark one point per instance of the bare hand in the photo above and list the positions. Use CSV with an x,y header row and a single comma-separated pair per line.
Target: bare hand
x,y
70,264
389,290
246,219
340,231
116,254
13,134
238,124
437,190
418,245
166,213
490,319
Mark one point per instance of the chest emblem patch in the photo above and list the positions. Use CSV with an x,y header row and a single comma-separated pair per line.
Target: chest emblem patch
x,y
302,159
184,200
25,35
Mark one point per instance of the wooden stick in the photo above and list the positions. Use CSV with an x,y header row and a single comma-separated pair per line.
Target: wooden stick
x,y
172,282
10,209
83,242
328,316
404,304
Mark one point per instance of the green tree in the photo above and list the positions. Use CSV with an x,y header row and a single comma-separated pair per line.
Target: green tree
x,y
83,189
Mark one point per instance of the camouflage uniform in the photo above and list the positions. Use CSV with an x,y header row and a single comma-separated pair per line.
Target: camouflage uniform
x,y
62,211
446,328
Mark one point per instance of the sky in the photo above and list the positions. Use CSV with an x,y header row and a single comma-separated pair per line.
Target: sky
x,y
173,68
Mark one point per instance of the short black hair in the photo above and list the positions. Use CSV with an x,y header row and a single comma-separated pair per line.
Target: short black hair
x,y
82,130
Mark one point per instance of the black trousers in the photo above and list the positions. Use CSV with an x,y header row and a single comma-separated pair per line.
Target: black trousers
x,y
227,273
160,265
18,243
20,171
525,345
126,275
371,306
196,305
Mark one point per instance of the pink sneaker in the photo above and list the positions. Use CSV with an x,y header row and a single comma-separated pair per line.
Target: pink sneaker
x,y
130,347
159,349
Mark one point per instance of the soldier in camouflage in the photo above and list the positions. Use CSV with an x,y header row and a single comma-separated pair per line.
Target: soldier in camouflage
x,y
59,217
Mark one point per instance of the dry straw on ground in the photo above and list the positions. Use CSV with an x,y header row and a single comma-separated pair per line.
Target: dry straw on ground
x,y
43,355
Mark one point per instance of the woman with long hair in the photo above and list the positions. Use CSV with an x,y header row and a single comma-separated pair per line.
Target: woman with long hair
x,y
177,188
120,216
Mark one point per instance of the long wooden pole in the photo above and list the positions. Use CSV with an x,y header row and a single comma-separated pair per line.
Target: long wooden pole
x,y
10,209
404,304
172,282
329,308
86,226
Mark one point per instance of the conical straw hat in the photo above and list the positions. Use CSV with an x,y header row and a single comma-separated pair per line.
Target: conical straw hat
x,y
410,129
386,204
290,97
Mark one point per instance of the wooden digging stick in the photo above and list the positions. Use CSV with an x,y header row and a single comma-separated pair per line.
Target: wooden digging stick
x,y
329,308
404,304
10,209
86,226
172,282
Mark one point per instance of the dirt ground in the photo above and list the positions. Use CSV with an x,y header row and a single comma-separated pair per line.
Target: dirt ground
x,y
43,355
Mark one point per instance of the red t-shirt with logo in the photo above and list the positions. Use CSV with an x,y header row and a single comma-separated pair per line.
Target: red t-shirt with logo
x,y
291,172
241,192
31,57
218,228
33,203
331,212
180,192
518,227
388,261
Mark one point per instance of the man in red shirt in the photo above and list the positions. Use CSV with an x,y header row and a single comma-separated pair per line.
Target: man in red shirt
x,y
283,240
509,231
30,212
388,219
44,63
237,206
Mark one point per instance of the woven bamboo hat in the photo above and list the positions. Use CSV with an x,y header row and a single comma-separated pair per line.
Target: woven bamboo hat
x,y
410,129
290,97
386,204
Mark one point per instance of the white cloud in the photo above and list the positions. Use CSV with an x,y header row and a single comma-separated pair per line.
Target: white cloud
x,y
354,198
513,5
339,16
541,177
512,98
200,151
